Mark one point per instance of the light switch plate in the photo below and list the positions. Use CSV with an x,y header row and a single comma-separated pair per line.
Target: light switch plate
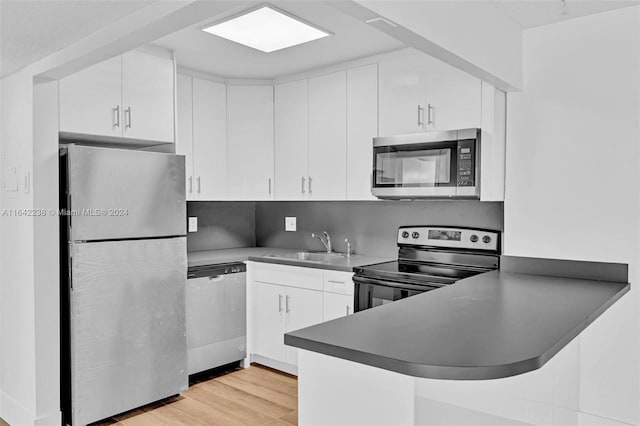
x,y
193,224
290,223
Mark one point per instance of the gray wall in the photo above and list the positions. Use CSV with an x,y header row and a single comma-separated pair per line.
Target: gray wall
x,y
221,225
371,226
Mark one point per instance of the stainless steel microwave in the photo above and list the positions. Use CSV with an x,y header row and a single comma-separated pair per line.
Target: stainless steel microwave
x,y
427,165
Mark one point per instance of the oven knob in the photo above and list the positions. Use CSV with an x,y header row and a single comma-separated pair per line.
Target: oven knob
x,y
474,238
486,239
415,235
405,234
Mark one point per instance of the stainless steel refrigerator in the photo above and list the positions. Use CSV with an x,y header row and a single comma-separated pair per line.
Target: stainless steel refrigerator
x,y
124,268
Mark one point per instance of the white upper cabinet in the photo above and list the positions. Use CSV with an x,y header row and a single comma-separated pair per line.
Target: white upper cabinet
x,y
90,100
147,97
402,95
493,143
209,140
291,140
250,148
202,137
453,97
184,139
419,93
362,127
130,96
327,136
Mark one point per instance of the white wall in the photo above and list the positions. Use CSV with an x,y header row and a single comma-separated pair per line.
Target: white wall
x,y
17,312
29,307
474,31
573,184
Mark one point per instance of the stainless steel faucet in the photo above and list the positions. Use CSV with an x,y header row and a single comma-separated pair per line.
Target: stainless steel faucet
x,y
326,242
346,240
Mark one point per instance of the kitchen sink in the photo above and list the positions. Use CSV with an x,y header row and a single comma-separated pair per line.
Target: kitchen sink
x,y
308,256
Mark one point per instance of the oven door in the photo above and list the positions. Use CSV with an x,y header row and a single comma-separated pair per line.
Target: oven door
x,y
370,292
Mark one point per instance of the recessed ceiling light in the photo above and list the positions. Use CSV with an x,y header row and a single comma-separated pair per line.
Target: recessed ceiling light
x,y
266,29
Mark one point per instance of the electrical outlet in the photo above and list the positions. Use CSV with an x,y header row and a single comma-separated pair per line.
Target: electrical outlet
x,y
289,223
193,224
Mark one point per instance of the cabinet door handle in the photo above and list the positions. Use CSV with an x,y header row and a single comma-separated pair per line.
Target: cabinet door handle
x,y
429,114
310,185
335,282
127,118
287,305
303,179
348,309
116,116
269,186
190,184
420,114
279,303
199,185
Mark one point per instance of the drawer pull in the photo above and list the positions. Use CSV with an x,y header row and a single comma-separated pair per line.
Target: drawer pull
x,y
336,282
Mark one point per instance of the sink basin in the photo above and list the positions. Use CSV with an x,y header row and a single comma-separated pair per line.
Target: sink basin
x,y
307,256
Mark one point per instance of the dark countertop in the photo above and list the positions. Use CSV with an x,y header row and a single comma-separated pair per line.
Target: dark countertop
x,y
345,264
493,325
212,257
256,254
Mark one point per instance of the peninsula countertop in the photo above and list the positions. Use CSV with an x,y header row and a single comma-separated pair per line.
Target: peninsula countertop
x,y
497,324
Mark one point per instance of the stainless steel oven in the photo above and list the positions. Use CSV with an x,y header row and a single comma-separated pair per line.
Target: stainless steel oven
x,y
427,165
375,292
429,257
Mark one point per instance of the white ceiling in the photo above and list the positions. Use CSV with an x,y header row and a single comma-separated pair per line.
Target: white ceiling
x,y
31,30
535,13
351,39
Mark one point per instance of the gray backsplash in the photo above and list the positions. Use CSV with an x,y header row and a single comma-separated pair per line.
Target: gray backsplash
x,y
222,224
371,226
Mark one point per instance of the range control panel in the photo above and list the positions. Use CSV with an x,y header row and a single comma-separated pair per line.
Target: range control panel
x,y
449,237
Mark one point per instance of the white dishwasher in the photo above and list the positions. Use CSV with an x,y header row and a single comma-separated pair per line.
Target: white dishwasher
x,y
216,315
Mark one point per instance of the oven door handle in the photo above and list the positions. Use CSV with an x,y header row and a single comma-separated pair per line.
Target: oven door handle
x,y
393,284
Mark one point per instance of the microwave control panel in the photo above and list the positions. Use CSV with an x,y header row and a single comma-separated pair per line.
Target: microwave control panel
x,y
466,162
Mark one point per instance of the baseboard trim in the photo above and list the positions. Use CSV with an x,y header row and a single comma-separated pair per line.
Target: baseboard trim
x,y
49,420
275,364
14,413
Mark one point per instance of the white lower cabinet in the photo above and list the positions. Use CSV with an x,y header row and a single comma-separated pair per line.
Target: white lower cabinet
x,y
336,306
269,320
303,308
279,309
288,298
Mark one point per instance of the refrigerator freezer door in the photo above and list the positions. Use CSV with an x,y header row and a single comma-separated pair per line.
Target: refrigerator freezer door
x,y
127,325
121,194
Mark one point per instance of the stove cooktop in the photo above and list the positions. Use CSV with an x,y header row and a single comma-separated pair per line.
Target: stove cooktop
x,y
413,272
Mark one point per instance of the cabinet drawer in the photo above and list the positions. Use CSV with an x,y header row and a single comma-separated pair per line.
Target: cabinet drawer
x,y
292,276
338,282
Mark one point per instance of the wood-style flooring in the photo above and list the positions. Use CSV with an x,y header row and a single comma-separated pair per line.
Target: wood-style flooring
x,y
253,396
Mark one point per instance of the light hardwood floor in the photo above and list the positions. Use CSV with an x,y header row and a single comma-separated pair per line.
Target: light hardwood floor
x,y
253,396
